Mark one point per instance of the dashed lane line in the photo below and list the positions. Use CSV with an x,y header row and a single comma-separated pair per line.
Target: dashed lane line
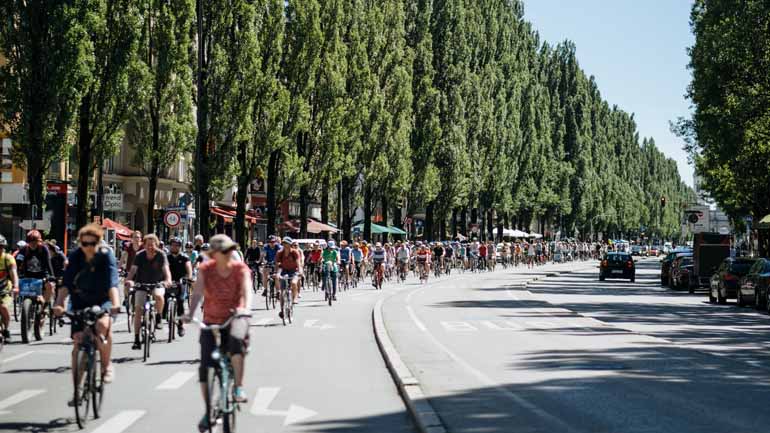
x,y
18,398
120,422
176,381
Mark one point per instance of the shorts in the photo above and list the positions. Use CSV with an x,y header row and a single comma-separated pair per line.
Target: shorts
x,y
140,296
236,342
6,299
79,327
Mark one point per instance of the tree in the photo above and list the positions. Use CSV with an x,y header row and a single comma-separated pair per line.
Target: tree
x,y
161,129
112,31
46,65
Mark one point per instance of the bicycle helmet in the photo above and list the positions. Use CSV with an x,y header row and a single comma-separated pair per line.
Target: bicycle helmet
x,y
332,244
188,244
33,235
205,247
378,245
175,240
3,241
21,244
287,240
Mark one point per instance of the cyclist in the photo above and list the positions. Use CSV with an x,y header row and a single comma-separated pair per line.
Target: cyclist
x,y
423,258
9,286
287,263
150,267
379,257
402,256
90,279
271,250
358,259
449,253
254,257
34,261
225,285
58,259
314,261
438,255
180,267
331,262
482,255
346,258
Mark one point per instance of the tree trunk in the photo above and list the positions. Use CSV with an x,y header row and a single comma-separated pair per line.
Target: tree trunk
x,y
153,186
427,232
85,154
202,119
384,209
454,223
304,195
464,221
490,224
273,165
441,229
100,191
244,176
347,218
500,218
35,174
367,213
325,201
398,220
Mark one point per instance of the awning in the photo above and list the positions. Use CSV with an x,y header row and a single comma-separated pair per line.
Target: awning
x,y
229,215
764,223
376,229
313,226
122,232
396,230
518,234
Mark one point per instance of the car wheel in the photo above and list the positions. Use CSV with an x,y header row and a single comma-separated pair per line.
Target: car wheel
x,y
633,279
721,299
756,299
690,287
712,299
740,300
601,278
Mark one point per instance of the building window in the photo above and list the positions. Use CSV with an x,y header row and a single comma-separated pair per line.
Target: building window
x,y
7,177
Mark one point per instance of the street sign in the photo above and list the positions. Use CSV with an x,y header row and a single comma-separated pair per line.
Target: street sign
x,y
172,219
113,201
36,224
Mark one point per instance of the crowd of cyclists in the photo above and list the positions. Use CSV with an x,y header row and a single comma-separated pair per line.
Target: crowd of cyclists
x,y
220,279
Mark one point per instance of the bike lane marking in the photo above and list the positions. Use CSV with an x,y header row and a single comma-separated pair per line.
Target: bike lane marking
x,y
18,398
264,398
120,422
15,357
175,381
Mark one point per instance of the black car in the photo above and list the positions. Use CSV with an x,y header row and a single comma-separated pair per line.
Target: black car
x,y
725,282
681,273
617,265
754,286
665,265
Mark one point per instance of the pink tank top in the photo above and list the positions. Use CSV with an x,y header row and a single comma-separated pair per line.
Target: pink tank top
x,y
221,294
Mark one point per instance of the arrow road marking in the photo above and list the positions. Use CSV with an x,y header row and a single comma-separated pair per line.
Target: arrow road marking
x,y
18,398
176,381
313,324
265,397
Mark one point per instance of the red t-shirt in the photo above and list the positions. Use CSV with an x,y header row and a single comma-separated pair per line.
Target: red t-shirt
x,y
222,294
315,256
483,250
288,259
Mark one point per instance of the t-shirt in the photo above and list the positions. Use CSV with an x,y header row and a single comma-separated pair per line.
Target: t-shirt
x,y
222,293
288,259
177,266
253,254
58,260
330,255
34,263
345,254
315,256
150,271
358,255
89,283
270,253
378,255
483,250
130,256
7,262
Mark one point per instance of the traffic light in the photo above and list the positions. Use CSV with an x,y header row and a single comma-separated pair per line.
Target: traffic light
x,y
663,202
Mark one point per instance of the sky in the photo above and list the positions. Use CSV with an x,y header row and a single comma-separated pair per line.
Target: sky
x,y
636,49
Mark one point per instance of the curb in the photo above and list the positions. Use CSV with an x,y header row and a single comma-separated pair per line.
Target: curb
x,y
425,417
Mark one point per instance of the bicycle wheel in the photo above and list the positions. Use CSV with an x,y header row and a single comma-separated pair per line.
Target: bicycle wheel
x,y
130,312
16,303
230,406
81,394
27,318
268,295
213,397
95,385
51,322
286,300
146,329
171,318
272,294
37,323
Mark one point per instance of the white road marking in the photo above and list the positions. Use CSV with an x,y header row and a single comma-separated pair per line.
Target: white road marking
x,y
120,422
265,397
540,325
456,326
494,326
314,324
15,357
176,381
19,397
416,321
264,321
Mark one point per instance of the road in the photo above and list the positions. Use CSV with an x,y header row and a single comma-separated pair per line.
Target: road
x,y
324,373
572,354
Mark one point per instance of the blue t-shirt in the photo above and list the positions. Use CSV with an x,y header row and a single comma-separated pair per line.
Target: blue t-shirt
x,y
345,254
89,283
270,253
358,255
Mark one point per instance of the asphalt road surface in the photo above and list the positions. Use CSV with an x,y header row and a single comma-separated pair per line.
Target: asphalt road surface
x,y
572,354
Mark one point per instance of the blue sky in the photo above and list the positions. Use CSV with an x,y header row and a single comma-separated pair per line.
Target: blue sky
x,y
636,51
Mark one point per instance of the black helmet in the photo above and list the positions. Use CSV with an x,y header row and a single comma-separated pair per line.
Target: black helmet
x,y
3,241
205,247
175,240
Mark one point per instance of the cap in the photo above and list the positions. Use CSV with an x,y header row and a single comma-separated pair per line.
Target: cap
x,y
222,242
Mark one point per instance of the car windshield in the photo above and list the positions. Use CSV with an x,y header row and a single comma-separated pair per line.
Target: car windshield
x,y
741,268
686,261
618,258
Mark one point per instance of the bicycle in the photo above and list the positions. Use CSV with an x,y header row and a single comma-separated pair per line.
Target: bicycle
x,y
147,329
328,288
402,269
270,289
220,379
178,288
30,291
128,303
88,387
255,277
437,267
287,306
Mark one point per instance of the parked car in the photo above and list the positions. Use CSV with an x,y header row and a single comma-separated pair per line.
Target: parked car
x,y
681,273
636,250
655,251
645,251
725,282
754,286
617,265
665,266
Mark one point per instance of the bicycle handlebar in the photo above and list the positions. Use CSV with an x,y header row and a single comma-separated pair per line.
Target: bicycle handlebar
x,y
205,327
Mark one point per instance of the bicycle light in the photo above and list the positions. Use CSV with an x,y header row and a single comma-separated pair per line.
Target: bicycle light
x,y
215,355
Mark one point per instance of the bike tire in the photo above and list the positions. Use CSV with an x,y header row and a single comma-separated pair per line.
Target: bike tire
x,y
171,309
146,336
16,309
51,322
228,415
81,396
27,319
285,306
96,385
37,329
213,387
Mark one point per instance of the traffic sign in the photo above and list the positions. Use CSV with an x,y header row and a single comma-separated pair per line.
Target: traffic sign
x,y
35,224
172,219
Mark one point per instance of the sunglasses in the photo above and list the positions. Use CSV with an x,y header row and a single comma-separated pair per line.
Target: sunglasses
x,y
88,244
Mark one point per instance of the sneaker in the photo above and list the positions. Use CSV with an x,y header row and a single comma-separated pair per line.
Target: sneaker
x,y
137,345
334,298
280,314
239,395
7,335
264,292
109,374
180,329
204,424
158,326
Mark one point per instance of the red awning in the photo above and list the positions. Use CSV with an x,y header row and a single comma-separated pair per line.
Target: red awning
x,y
122,232
229,215
313,226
